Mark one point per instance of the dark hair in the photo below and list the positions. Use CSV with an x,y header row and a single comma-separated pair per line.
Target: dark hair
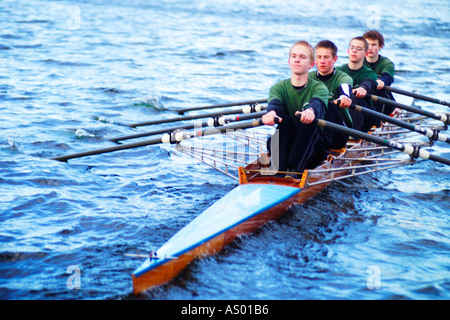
x,y
363,40
374,35
327,44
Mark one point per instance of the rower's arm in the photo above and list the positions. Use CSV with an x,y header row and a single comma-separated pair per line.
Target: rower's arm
x,y
277,106
318,106
387,79
369,85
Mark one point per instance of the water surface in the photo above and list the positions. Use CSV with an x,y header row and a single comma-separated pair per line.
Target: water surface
x,y
72,73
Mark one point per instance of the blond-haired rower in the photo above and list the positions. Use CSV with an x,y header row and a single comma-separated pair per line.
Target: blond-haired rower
x,y
295,103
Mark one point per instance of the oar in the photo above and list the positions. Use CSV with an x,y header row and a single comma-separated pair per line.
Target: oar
x,y
158,131
173,137
155,140
413,151
200,116
417,96
212,122
251,103
432,134
444,118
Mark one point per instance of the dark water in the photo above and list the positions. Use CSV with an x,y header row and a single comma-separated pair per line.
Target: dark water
x,y
72,72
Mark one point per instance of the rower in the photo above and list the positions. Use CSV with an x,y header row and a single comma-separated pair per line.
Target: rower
x,y
339,86
383,67
364,82
294,103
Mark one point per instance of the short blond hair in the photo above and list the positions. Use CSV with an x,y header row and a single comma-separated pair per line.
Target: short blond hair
x,y
312,52
366,45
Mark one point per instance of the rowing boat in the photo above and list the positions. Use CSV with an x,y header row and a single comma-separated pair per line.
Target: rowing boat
x,y
259,198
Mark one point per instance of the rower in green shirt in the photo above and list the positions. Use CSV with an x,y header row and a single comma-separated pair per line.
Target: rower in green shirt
x,y
383,67
339,86
294,103
364,82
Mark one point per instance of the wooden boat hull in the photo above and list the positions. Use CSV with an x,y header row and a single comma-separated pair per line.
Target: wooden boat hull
x,y
243,210
257,200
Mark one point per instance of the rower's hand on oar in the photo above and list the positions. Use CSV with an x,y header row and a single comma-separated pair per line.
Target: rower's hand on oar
x,y
360,92
380,84
271,118
343,102
306,116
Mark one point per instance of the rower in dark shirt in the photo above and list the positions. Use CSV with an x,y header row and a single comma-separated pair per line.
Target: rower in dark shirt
x,y
294,103
383,67
364,82
339,86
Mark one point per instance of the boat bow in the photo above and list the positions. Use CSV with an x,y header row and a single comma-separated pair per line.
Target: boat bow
x,y
242,210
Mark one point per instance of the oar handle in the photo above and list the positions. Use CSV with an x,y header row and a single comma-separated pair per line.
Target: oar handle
x,y
417,96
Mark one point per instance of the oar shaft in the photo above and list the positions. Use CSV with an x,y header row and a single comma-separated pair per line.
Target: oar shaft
x,y
220,121
215,130
166,138
432,134
158,131
443,118
184,118
417,96
212,122
434,157
225,105
109,149
193,117
408,149
355,133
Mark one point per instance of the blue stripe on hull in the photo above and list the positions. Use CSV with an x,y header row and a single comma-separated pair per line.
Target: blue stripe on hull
x,y
239,205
